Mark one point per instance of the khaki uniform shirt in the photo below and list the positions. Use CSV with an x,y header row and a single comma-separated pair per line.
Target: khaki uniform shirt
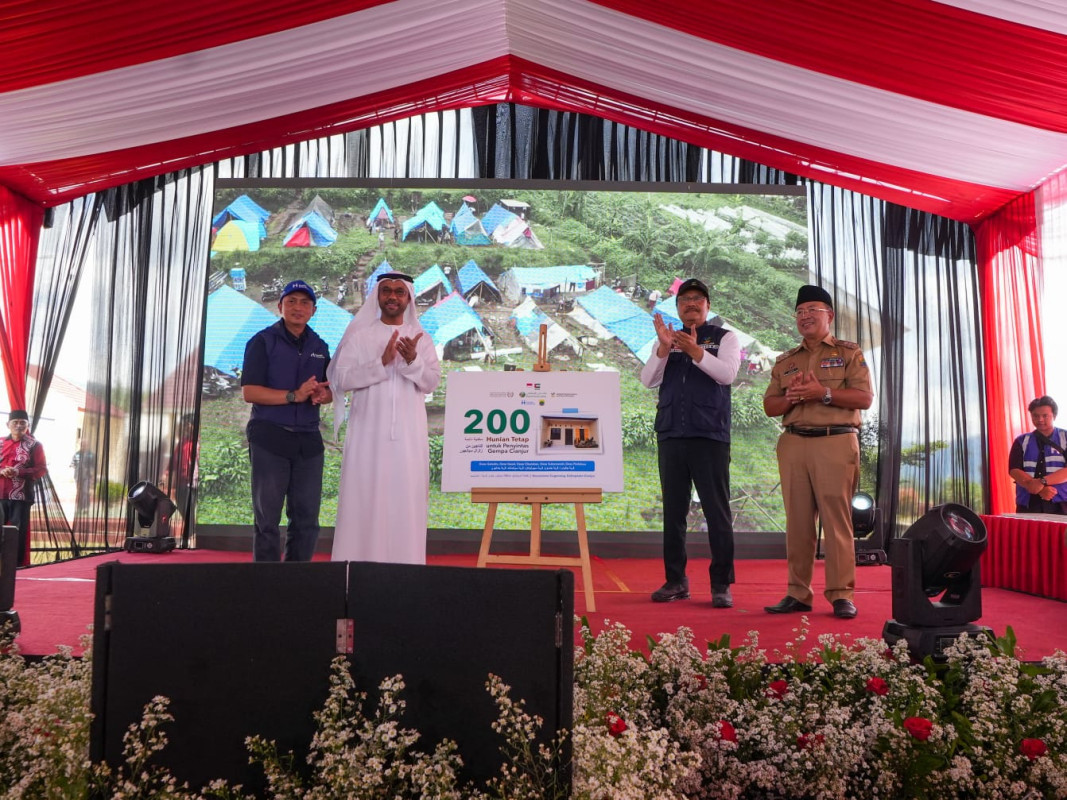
x,y
836,364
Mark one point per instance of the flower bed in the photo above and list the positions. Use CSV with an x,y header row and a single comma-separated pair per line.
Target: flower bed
x,y
841,719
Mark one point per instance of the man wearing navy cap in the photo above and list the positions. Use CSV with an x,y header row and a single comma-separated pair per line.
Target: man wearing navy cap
x,y
819,389
284,378
694,368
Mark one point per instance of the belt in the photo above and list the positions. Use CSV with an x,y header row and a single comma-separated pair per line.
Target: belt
x,y
828,430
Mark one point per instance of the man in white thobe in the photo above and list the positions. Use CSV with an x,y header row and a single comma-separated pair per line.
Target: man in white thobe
x,y
388,363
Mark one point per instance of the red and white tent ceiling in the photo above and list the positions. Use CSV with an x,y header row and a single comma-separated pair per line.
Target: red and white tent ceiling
x,y
954,107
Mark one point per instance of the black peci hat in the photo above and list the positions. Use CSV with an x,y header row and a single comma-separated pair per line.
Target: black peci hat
x,y
813,294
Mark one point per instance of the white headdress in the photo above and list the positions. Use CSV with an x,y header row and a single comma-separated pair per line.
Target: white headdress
x,y
369,313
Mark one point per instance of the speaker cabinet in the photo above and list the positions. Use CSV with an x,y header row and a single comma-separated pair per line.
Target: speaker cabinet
x,y
245,649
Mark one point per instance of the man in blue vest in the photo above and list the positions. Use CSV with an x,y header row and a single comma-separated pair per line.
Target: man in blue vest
x,y
284,378
1037,463
693,368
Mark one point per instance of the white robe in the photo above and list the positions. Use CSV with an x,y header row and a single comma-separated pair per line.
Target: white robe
x,y
385,472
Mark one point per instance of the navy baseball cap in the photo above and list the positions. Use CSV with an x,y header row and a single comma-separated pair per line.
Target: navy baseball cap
x,y
695,285
298,286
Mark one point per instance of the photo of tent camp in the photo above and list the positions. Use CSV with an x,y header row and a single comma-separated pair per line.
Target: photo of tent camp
x,y
492,267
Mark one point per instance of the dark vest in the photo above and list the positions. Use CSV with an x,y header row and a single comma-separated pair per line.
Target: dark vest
x,y
288,366
691,403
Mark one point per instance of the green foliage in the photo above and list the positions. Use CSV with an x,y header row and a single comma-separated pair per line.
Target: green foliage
x,y
437,454
224,464
639,427
747,412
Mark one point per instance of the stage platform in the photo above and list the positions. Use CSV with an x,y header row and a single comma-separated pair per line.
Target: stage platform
x,y
55,603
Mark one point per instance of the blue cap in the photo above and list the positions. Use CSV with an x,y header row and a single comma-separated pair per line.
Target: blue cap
x,y
298,286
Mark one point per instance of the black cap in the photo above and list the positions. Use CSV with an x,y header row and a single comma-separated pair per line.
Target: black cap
x,y
813,294
18,414
694,284
396,276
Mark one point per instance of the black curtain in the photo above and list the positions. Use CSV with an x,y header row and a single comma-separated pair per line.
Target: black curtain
x,y
905,284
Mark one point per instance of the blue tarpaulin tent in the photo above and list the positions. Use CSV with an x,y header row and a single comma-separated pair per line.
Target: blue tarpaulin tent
x,y
380,214
245,209
237,235
545,281
474,281
528,319
330,322
232,319
450,318
467,230
622,318
495,217
429,216
431,281
311,230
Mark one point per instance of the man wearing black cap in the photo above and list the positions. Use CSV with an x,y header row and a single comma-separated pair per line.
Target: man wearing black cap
x,y
284,378
819,389
693,368
21,463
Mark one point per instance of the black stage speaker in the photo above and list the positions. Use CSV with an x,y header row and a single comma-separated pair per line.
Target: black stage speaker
x,y
9,557
243,649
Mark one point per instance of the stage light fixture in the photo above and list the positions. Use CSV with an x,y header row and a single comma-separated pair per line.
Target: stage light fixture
x,y
153,510
869,548
937,592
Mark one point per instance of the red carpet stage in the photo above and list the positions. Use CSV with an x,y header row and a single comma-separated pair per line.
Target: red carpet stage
x,y
55,603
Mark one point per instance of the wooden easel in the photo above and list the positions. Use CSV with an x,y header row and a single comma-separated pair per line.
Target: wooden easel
x,y
535,498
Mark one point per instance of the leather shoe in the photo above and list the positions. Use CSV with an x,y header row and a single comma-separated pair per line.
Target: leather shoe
x,y
670,592
844,609
721,597
788,605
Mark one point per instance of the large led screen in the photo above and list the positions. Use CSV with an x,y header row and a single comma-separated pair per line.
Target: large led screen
x,y
491,265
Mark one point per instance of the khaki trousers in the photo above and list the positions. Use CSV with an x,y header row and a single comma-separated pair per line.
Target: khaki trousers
x,y
819,476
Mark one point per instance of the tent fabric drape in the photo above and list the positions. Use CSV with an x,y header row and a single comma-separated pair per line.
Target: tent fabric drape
x,y
940,107
1009,252
20,224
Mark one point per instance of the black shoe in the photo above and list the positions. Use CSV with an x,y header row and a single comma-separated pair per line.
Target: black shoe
x,y
844,609
669,592
789,605
721,597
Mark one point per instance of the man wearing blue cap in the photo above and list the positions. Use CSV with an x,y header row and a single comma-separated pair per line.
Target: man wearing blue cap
x,y
693,369
284,378
819,389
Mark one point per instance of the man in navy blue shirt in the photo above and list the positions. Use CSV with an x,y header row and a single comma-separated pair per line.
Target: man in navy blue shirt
x,y
284,378
693,368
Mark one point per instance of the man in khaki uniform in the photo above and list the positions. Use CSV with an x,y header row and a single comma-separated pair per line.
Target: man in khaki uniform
x,y
819,389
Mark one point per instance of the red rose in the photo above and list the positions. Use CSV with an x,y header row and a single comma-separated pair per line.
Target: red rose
x,y
616,724
778,689
877,686
1033,748
728,733
806,740
919,727
702,682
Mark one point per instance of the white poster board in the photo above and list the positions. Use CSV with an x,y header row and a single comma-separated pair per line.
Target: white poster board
x,y
536,430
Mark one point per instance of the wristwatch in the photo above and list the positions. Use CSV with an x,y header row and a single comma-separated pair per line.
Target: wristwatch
x,y
827,398
290,397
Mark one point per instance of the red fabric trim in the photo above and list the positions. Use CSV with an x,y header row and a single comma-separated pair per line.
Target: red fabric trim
x,y
20,225
501,79
1027,555
1009,265
105,35
929,50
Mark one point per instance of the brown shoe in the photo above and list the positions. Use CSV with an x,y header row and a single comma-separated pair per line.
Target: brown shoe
x,y
844,609
788,605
